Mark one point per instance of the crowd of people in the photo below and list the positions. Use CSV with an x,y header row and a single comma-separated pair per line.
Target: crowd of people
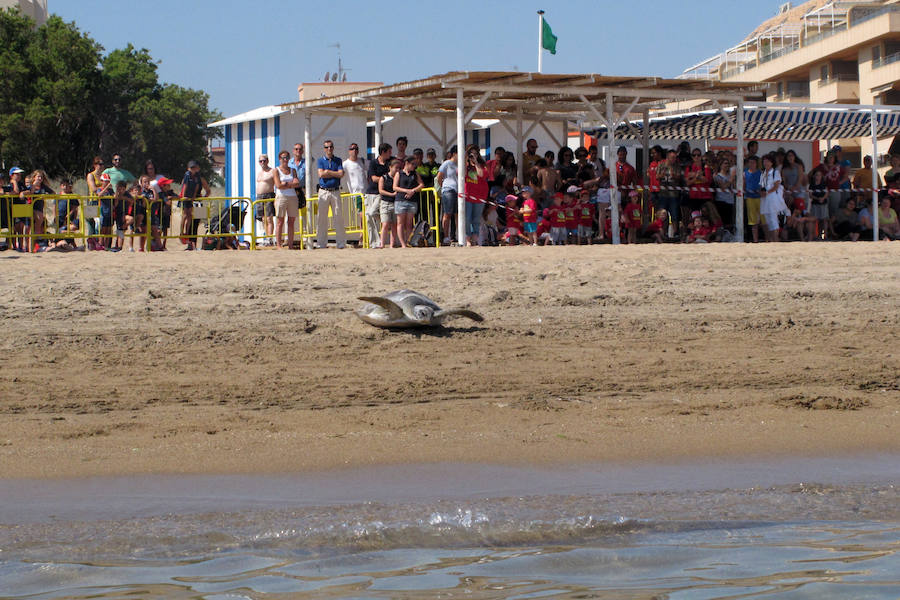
x,y
127,206
563,198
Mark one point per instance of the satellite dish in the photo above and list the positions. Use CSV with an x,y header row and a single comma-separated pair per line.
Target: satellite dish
x,y
327,75
334,77
344,78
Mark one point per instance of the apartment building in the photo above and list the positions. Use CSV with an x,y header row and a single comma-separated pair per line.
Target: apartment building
x,y
821,51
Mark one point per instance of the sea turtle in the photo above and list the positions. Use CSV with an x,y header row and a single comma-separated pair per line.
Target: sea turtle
x,y
406,308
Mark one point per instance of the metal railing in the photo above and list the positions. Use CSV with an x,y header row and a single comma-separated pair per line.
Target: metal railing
x,y
838,78
886,60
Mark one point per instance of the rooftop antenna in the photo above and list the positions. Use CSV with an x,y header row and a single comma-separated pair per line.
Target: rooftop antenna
x,y
341,73
327,76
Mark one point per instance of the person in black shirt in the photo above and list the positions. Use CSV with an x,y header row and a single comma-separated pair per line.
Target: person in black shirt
x,y
407,184
378,168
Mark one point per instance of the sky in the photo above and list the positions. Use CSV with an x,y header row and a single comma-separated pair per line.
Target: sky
x,y
247,54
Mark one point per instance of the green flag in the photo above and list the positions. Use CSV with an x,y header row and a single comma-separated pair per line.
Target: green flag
x,y
548,40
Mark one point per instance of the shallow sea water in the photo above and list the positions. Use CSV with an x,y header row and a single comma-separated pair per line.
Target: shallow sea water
x,y
805,528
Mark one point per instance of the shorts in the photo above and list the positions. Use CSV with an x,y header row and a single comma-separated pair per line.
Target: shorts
x,y
819,211
405,207
752,205
530,227
106,216
264,209
558,235
185,204
770,220
585,231
386,211
287,206
449,202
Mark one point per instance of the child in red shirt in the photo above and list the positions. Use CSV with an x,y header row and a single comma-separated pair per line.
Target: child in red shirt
x,y
631,218
699,233
654,229
513,219
585,211
571,205
557,213
529,213
543,228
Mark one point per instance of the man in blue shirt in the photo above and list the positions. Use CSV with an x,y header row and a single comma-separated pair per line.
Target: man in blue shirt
x,y
752,191
330,169
298,163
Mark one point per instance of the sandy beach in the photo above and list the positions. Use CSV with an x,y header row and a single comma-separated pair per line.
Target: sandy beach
x,y
240,362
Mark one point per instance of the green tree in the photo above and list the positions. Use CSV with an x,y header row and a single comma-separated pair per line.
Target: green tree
x,y
62,101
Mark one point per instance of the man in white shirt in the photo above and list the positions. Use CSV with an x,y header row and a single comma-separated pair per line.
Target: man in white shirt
x,y
355,180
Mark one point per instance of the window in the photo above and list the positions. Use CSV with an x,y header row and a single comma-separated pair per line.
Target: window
x,y
780,90
823,73
876,55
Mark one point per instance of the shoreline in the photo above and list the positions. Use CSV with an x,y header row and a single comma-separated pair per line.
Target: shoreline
x,y
232,362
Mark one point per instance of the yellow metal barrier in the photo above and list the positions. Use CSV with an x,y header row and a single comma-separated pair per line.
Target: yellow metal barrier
x,y
353,210
222,218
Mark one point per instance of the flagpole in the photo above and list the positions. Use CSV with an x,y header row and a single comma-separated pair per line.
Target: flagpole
x,y
540,40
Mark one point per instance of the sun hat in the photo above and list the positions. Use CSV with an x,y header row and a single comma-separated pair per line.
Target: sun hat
x,y
104,177
573,189
164,181
696,214
511,198
15,170
526,189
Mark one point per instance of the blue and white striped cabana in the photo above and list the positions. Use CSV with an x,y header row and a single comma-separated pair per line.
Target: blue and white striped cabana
x,y
771,121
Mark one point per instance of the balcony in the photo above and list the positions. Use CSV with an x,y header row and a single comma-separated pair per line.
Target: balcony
x,y
885,71
886,60
843,89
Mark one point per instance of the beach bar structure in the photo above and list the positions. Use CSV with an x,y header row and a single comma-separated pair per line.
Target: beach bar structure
x,y
521,105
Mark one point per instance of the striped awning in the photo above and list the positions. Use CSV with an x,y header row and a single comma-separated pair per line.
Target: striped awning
x,y
788,123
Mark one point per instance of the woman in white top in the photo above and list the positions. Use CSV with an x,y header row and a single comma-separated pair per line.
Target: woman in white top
x,y
287,205
772,204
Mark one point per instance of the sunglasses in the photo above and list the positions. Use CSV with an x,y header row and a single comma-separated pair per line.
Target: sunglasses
x,y
354,148
328,147
262,160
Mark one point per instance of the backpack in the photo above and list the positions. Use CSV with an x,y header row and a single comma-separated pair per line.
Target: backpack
x,y
422,236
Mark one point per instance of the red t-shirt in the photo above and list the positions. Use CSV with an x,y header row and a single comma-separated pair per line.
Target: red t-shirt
x,y
529,211
696,194
586,214
701,232
571,216
625,174
543,227
655,226
557,216
833,177
654,179
607,227
477,188
799,204
632,215
513,218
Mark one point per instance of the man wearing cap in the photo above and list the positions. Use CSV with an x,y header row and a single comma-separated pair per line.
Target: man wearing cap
x,y
449,184
331,171
191,186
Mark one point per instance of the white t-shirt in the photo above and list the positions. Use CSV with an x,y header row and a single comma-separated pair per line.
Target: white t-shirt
x,y
355,175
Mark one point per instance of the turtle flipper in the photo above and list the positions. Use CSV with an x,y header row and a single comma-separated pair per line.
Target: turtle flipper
x,y
395,311
458,312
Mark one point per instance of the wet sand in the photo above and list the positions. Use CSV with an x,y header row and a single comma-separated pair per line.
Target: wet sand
x,y
239,362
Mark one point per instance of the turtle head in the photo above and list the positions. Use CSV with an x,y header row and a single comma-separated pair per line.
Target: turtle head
x,y
423,313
